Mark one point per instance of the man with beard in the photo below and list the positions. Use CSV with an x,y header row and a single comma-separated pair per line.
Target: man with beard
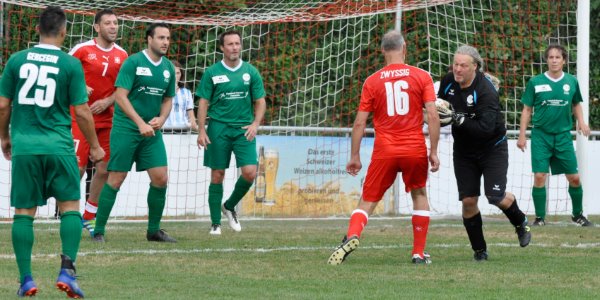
x,y
101,59
145,89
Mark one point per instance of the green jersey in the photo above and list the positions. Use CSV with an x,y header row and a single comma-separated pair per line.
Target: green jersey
x,y
552,101
231,92
148,83
42,82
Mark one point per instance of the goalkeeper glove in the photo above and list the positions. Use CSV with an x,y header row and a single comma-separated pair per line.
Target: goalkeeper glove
x,y
445,114
458,119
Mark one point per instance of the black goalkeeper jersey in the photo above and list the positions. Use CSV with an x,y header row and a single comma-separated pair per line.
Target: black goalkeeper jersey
x,y
484,125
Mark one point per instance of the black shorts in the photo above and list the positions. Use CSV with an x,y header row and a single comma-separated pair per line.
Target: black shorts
x,y
492,164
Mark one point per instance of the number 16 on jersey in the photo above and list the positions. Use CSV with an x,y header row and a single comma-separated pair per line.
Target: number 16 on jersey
x,y
397,98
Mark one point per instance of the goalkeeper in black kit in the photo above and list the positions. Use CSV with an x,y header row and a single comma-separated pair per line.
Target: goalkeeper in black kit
x,y
480,147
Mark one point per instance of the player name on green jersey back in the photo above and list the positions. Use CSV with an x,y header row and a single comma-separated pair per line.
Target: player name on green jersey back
x,y
42,83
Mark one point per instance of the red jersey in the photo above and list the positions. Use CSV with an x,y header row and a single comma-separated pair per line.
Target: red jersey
x,y
100,67
396,96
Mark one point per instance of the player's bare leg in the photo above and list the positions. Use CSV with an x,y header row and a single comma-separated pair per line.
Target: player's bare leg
x,y
98,181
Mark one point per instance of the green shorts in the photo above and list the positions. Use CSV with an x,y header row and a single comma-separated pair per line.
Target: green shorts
x,y
127,148
35,178
225,139
554,151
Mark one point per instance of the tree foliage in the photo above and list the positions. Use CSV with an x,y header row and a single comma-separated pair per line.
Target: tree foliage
x,y
594,64
297,58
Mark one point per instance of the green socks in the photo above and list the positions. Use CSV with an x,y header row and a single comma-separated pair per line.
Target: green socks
x,y
70,233
22,240
106,201
156,204
539,201
576,194
215,196
241,188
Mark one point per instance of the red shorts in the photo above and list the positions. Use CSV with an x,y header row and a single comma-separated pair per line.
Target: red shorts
x,y
82,148
382,173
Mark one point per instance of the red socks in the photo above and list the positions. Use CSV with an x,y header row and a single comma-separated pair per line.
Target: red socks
x,y
90,210
420,222
358,220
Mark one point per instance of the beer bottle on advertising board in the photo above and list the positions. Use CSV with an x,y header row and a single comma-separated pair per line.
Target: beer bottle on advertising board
x,y
260,186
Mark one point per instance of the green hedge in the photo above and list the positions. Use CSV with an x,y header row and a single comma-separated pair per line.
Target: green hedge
x,y
510,37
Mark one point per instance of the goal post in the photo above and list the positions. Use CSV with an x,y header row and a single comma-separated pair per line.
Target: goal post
x,y
314,56
583,76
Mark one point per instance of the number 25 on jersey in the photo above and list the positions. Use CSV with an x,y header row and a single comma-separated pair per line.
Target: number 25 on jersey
x,y
37,77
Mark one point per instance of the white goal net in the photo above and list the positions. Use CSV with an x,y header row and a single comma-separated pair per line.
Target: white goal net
x,y
314,56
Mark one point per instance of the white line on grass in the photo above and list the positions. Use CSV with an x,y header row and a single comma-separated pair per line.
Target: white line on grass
x,y
122,225
268,250
291,219
487,221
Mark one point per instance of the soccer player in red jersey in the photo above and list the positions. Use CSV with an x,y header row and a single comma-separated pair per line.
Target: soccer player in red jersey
x,y
101,59
395,95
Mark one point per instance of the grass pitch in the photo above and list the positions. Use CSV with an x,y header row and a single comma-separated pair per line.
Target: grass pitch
x,y
286,259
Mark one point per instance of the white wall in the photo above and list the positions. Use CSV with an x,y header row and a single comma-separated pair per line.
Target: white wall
x,y
444,195
189,180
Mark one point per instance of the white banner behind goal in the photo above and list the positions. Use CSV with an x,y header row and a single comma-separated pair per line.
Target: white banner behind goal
x,y
322,192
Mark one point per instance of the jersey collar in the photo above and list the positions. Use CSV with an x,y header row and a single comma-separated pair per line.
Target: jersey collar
x,y
555,80
150,59
232,69
47,46
104,49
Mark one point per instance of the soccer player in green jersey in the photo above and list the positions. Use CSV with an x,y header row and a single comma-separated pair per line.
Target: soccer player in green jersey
x,y
232,94
42,83
145,89
553,97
